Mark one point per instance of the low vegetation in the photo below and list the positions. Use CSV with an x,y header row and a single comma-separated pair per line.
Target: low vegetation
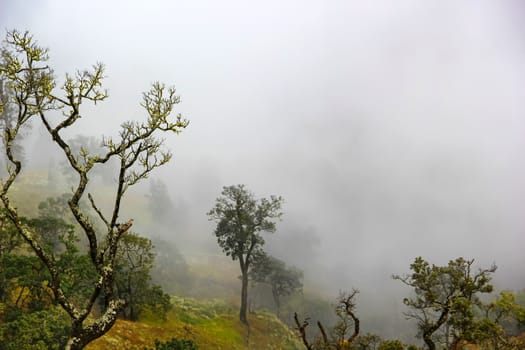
x,y
211,324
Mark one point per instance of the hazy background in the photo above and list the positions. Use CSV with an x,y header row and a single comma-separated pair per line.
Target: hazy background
x,y
392,129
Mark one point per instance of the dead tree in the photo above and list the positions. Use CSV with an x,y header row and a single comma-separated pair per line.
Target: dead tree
x,y
341,337
301,327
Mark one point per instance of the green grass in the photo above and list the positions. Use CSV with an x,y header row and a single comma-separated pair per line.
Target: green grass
x,y
211,324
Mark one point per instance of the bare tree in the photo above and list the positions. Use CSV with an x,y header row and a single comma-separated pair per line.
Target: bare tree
x,y
348,326
301,327
35,96
345,331
283,280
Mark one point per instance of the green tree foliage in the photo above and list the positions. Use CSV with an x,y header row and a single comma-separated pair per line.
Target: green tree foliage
x,y
24,278
446,298
283,280
55,232
391,345
157,302
40,330
23,287
505,310
133,263
51,232
366,342
37,95
241,218
503,317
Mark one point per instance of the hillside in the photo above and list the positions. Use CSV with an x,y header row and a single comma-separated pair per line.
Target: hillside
x,y
210,324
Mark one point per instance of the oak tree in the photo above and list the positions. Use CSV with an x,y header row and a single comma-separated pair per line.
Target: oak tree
x,y
133,264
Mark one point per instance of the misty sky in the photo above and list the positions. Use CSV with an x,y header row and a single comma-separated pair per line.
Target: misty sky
x,y
392,129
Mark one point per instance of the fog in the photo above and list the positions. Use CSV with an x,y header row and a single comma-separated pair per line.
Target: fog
x,y
391,129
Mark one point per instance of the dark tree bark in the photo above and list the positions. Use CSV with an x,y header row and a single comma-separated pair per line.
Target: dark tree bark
x,y
445,295
429,331
345,312
244,298
348,303
240,221
301,327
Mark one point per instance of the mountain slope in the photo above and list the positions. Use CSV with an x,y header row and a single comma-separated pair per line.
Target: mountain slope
x,y
210,324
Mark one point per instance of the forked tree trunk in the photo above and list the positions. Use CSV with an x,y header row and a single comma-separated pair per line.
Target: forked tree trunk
x,y
81,335
430,330
427,338
80,338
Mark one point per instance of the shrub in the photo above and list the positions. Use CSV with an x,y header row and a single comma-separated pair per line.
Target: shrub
x,y
391,345
174,344
40,330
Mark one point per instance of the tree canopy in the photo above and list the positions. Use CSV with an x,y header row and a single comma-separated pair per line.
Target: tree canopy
x,y
446,296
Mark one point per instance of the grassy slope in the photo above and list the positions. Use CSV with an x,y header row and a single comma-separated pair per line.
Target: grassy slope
x,y
210,324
